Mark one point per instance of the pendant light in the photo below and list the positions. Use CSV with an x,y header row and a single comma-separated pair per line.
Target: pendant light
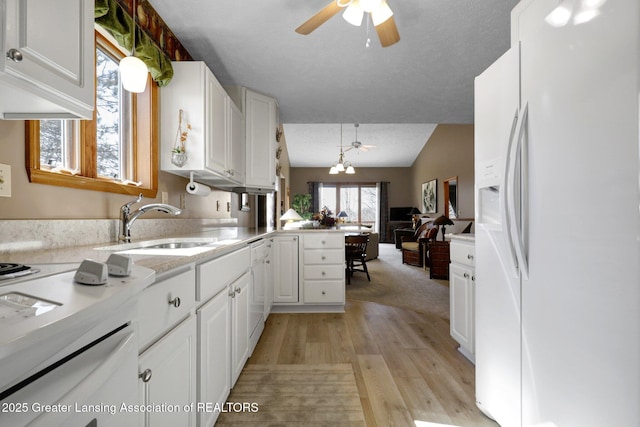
x,y
342,165
133,71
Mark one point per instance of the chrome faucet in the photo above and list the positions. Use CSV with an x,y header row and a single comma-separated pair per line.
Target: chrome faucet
x,y
127,217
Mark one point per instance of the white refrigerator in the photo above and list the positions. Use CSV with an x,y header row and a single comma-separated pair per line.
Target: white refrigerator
x,y
557,175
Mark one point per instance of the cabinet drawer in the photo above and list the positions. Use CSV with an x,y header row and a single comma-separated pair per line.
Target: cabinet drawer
x,y
215,275
324,241
324,292
463,253
164,304
323,272
329,256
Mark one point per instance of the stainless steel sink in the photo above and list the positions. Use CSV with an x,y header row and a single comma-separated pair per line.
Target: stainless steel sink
x,y
176,245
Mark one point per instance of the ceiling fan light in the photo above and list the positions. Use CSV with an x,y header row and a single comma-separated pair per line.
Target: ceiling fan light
x,y
133,73
353,14
559,17
370,5
381,14
350,170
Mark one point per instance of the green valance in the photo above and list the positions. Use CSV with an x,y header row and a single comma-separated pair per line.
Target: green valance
x,y
110,16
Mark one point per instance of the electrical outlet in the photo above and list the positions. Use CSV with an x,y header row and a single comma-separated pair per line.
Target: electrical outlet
x,y
165,198
183,201
5,180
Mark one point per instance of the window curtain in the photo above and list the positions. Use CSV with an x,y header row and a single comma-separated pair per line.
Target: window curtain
x,y
383,211
314,190
113,18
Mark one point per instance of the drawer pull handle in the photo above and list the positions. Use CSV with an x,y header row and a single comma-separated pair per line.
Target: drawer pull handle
x,y
268,262
469,256
175,302
238,290
473,278
145,375
323,257
232,294
466,275
324,274
324,293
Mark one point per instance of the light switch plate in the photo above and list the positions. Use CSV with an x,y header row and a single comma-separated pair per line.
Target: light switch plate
x,y
5,180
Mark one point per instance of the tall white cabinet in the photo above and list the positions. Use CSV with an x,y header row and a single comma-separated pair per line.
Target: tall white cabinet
x,y
462,279
260,114
47,66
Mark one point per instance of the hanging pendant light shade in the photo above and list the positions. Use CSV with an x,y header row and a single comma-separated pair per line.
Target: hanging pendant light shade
x,y
133,71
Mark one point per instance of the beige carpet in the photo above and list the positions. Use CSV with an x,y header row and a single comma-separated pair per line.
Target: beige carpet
x,y
400,285
292,395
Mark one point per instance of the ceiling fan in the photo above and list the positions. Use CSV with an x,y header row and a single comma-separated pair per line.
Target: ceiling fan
x,y
354,10
357,145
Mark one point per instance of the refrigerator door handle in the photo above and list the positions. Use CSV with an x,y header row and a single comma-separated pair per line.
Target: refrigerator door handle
x,y
515,194
505,199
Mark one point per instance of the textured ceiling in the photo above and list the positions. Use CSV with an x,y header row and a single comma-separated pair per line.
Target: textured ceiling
x,y
330,76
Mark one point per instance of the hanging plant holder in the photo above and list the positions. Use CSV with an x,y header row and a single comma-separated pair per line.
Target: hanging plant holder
x,y
179,152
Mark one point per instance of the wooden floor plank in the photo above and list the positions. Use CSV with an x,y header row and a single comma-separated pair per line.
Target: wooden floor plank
x,y
386,400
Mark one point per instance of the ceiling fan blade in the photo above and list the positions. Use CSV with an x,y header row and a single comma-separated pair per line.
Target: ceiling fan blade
x,y
319,18
388,32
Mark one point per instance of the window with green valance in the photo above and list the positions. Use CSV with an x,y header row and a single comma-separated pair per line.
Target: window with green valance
x,y
113,18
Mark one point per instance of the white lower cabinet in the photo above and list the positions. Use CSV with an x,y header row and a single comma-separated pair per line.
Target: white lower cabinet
x,y
214,355
462,296
285,269
167,372
223,328
239,291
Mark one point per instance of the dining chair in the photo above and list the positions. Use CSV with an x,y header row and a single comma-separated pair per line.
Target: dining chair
x,y
355,255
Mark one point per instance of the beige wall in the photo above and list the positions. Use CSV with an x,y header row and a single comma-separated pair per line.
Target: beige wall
x,y
38,201
448,153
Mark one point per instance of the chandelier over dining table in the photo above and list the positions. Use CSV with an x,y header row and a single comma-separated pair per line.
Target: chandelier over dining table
x,y
342,165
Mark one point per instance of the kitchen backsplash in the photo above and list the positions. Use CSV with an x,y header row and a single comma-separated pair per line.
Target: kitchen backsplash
x,y
33,235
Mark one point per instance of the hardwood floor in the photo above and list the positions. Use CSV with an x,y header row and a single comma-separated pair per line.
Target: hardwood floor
x,y
406,365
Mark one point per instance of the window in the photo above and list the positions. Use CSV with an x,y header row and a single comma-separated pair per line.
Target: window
x,y
114,152
359,201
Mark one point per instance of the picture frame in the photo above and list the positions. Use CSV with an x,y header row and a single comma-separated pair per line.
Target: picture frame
x,y
429,196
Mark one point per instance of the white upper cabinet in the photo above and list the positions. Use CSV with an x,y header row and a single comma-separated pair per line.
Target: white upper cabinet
x,y
260,115
47,66
215,143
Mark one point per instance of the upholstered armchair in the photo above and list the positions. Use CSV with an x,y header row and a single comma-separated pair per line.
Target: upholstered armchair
x,y
413,247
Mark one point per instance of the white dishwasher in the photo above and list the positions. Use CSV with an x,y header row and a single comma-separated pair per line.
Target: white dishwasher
x,y
69,352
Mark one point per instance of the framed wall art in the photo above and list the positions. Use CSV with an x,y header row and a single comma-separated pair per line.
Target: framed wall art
x,y
429,196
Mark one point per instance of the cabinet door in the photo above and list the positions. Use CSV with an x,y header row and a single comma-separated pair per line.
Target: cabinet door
x,y
462,306
268,286
53,50
237,144
260,115
214,354
216,147
257,294
171,368
285,269
239,325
